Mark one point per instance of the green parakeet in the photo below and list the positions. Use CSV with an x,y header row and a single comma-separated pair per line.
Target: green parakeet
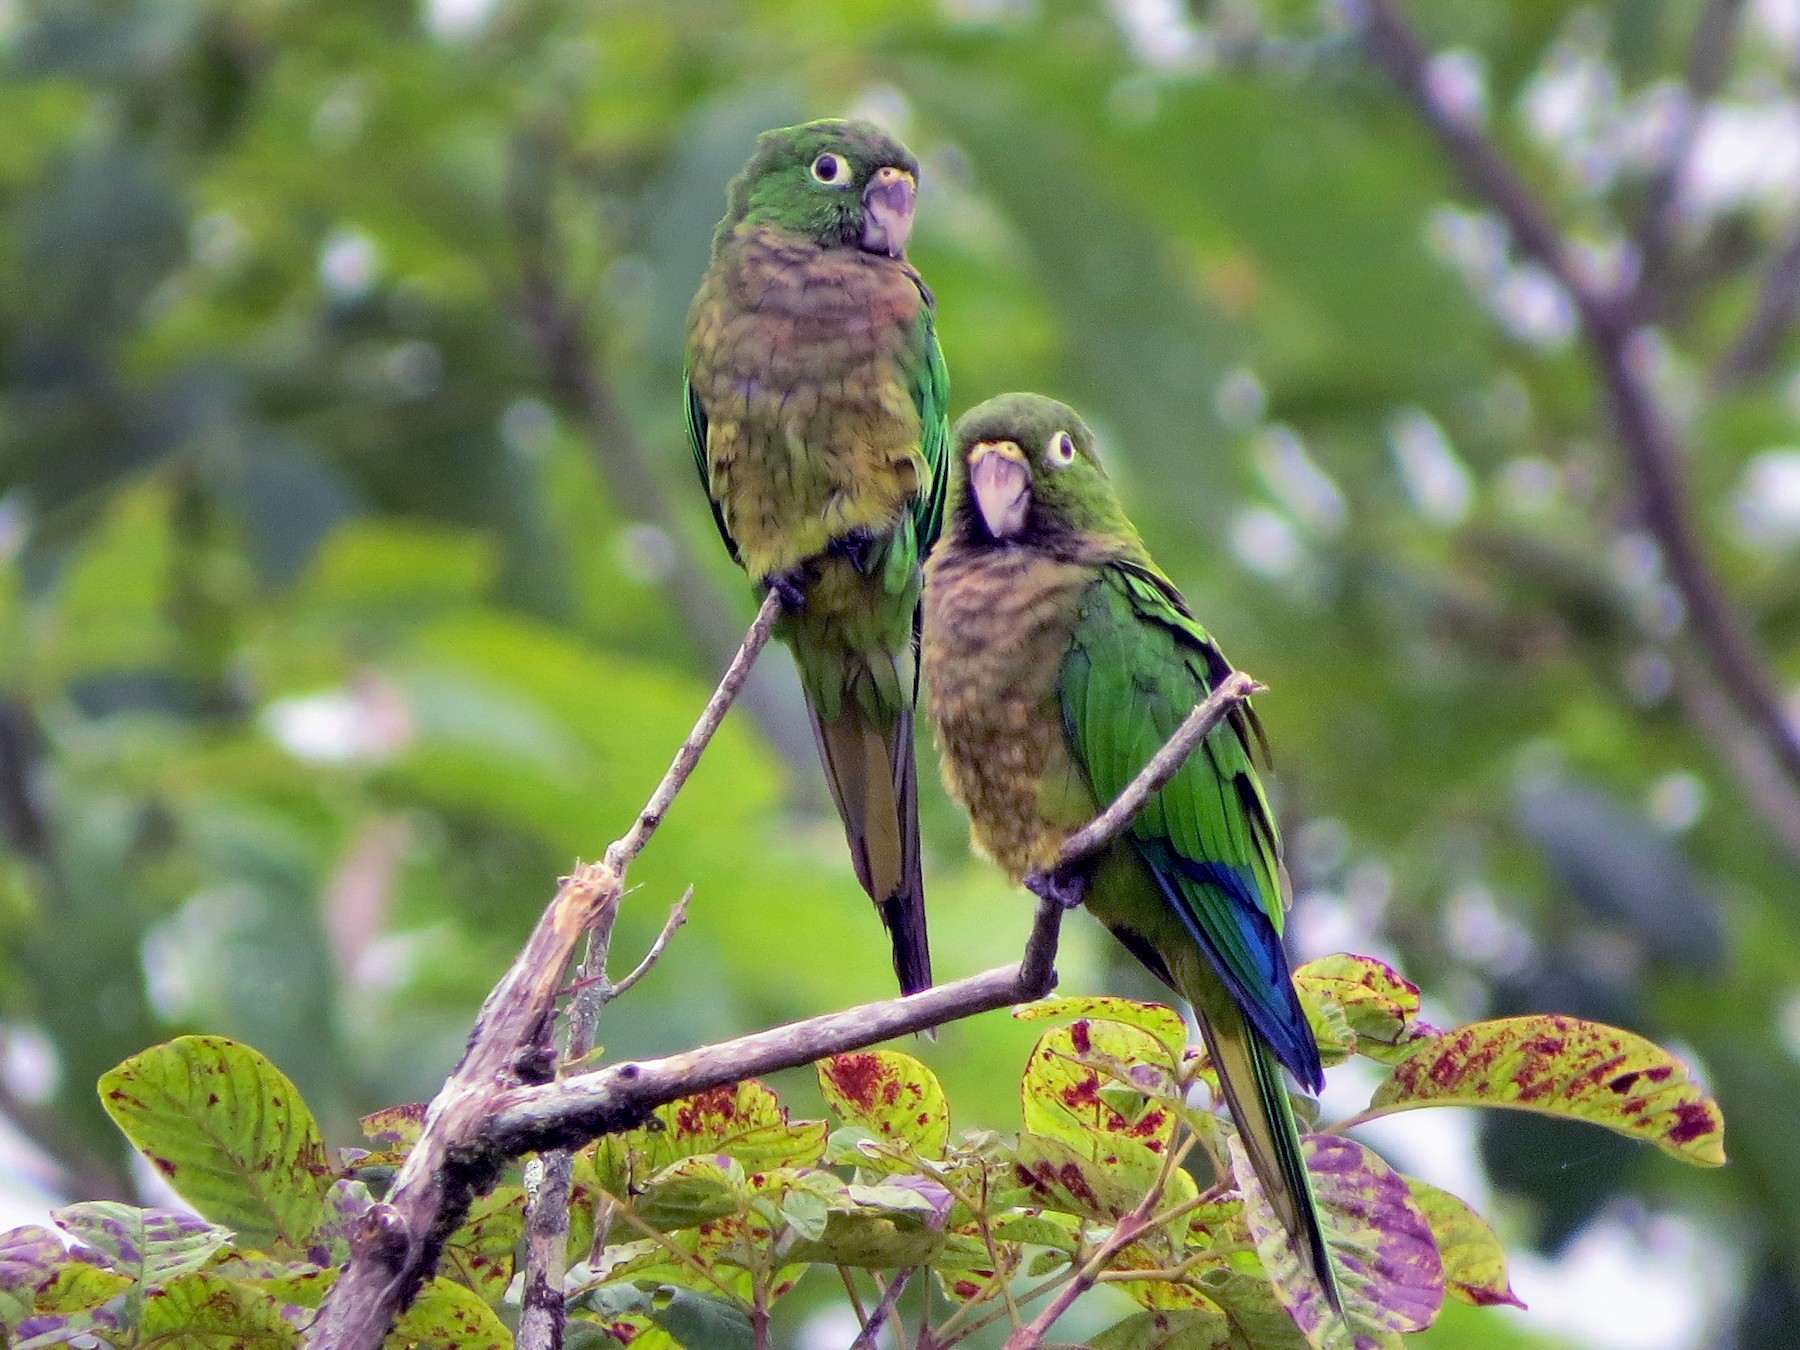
x,y
1059,658
816,399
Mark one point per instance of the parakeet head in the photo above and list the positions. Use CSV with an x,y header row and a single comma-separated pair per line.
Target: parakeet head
x,y
840,184
1025,471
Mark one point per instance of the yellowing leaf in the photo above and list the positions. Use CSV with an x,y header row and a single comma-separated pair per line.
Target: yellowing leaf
x,y
1474,1260
228,1131
1101,1087
745,1121
1370,998
891,1095
200,1311
446,1316
1562,1066
1160,1020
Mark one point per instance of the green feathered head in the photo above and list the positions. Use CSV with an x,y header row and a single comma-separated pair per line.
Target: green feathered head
x,y
1025,472
840,184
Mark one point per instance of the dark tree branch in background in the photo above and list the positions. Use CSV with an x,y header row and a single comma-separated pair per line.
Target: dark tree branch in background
x,y
1709,58
1652,451
501,1102
1770,322
574,362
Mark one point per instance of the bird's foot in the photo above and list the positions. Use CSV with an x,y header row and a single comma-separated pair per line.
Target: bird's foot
x,y
1067,889
791,587
858,548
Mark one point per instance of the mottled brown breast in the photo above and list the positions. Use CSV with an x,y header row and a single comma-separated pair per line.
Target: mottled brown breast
x,y
997,623
797,353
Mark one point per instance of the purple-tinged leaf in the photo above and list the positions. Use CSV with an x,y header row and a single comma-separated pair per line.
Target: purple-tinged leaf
x,y
1563,1066
148,1246
891,1095
1474,1260
346,1202
229,1132
1387,1262
299,1283
29,1256
395,1127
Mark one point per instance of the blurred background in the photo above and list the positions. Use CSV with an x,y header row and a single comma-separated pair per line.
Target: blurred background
x,y
354,581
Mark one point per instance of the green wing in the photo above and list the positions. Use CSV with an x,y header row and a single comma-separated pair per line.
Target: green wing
x,y
696,429
931,396
1137,665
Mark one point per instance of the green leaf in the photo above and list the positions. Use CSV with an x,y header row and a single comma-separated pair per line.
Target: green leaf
x,y
701,1321
480,1254
1169,1329
1563,1066
1060,1178
80,1287
1161,1021
228,1131
876,1227
1474,1260
1387,1261
745,1121
891,1095
446,1316
200,1311
691,1192
1377,1005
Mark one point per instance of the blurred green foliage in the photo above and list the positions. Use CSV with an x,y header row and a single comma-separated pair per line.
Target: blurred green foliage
x,y
355,580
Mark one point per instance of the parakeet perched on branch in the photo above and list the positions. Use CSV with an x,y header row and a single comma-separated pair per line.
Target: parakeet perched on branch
x,y
1059,658
816,399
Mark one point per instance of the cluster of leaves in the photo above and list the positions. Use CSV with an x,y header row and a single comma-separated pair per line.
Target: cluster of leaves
x,y
689,1229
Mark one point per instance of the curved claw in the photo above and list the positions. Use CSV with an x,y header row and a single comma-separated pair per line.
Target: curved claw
x,y
856,548
1067,889
791,588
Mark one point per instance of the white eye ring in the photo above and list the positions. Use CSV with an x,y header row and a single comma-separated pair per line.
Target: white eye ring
x,y
831,170
1062,450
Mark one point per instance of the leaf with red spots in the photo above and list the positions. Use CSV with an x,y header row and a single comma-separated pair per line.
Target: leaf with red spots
x,y
1386,1258
229,1132
891,1095
1099,1084
1474,1260
1258,1319
690,1192
479,1255
1162,1022
395,1127
200,1311
1378,1007
745,1121
1057,1176
446,1316
1168,1329
1562,1066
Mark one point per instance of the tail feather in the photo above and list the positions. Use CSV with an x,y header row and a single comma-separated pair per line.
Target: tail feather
x,y
873,778
1258,1098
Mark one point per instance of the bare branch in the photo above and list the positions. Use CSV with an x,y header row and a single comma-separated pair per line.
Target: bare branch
x,y
866,1338
1652,451
677,917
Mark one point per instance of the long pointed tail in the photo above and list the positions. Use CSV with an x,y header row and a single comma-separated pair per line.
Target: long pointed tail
x,y
875,783
1258,1098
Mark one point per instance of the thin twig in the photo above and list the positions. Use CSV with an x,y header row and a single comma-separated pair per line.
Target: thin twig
x,y
677,917
1777,304
1652,450
890,1298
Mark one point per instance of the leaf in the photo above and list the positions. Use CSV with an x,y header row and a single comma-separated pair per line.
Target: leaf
x,y
145,1245
702,1321
1060,1178
1387,1262
1168,1329
691,1192
745,1121
79,1287
1158,1019
891,1095
446,1316
1562,1066
876,1227
1068,1089
228,1131
1474,1260
29,1256
480,1254
396,1127
200,1311
1380,1008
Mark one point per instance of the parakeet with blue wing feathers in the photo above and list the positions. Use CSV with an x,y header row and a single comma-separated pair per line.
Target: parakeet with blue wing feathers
x,y
1058,659
816,400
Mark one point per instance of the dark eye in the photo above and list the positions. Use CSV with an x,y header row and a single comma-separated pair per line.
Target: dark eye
x,y
1062,450
830,169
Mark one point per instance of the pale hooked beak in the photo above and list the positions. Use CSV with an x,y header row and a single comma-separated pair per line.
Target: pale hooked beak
x,y
1001,482
888,211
